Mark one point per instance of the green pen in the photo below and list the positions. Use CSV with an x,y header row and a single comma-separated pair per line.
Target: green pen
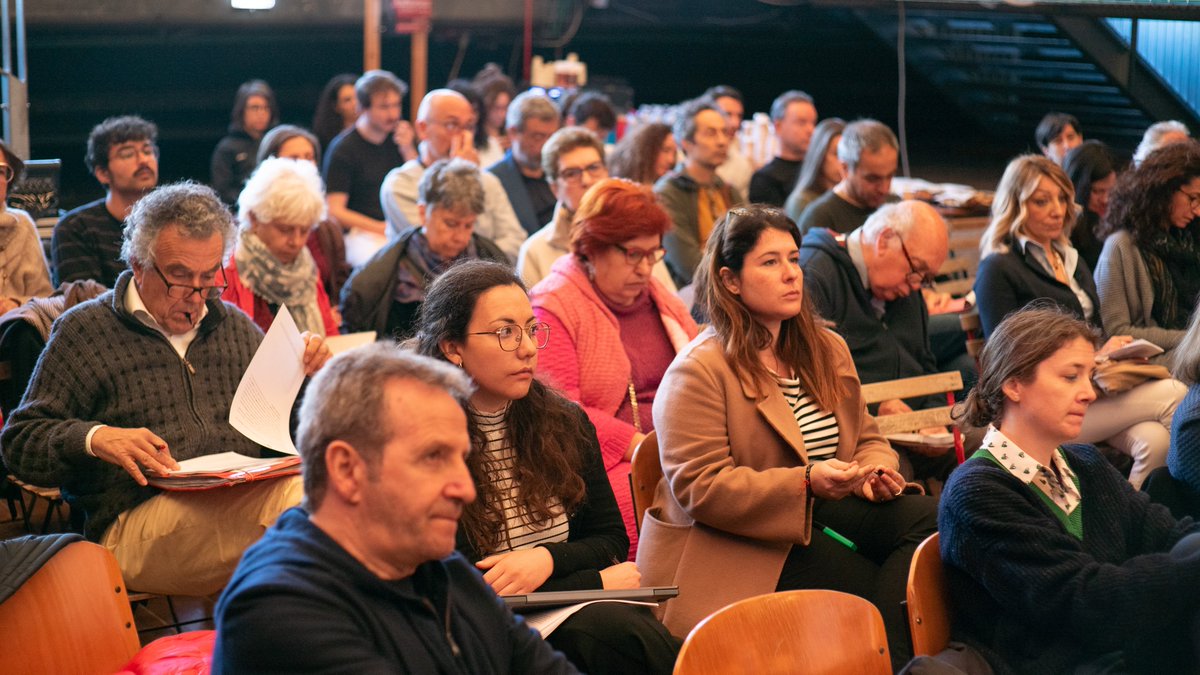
x,y
837,537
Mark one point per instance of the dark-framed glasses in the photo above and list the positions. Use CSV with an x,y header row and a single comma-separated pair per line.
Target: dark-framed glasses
x,y
575,174
509,336
635,256
181,291
914,276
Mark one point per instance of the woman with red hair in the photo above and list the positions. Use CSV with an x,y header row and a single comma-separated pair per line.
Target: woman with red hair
x,y
619,327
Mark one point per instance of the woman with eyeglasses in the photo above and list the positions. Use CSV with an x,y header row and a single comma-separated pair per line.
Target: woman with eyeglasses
x,y
1148,277
620,326
544,517
385,293
271,265
1027,257
775,476
23,270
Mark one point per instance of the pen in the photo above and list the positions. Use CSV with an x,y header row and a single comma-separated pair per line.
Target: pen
x,y
837,537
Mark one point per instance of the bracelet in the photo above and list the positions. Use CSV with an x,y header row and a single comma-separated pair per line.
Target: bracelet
x,y
808,480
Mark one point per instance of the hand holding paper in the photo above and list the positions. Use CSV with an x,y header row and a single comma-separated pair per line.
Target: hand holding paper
x,y
262,406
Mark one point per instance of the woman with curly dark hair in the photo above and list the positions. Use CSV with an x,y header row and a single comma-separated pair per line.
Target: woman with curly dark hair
x,y
644,155
1148,276
544,518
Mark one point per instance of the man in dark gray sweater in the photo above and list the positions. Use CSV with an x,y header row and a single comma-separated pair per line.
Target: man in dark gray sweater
x,y
141,377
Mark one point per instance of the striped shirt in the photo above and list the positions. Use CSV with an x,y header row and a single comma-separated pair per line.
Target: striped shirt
x,y
500,460
818,427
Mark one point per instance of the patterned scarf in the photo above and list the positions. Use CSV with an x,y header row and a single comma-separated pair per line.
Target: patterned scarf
x,y
294,285
420,266
1173,261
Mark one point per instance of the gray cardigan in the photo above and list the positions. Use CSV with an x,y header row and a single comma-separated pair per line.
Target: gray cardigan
x,y
1127,295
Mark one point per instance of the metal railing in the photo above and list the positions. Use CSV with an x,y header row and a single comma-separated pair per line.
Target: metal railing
x,y
1171,48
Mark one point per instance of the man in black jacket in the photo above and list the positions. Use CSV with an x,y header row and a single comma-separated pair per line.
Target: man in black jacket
x,y
363,577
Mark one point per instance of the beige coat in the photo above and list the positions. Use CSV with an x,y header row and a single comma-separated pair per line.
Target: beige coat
x,y
733,501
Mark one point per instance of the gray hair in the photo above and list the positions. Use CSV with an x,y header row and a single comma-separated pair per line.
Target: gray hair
x,y
864,135
282,190
194,208
530,105
451,184
563,141
1153,138
898,217
780,105
345,402
684,127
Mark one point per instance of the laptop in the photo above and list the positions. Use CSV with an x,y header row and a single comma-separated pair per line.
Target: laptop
x,y
550,599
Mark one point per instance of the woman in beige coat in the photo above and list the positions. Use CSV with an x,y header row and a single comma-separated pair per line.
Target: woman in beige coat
x,y
776,478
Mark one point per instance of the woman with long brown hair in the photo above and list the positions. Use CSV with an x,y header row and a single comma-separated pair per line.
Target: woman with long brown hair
x,y
544,518
776,478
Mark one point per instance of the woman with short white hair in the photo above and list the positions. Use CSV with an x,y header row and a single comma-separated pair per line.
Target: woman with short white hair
x,y
271,265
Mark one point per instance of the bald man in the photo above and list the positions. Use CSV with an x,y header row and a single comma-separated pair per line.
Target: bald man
x,y
869,284
445,126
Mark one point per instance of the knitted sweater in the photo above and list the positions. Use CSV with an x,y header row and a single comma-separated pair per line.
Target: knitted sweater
x,y
1035,599
23,271
103,366
87,245
1127,295
1184,456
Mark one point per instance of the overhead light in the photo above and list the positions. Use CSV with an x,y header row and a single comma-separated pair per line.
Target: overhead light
x,y
252,4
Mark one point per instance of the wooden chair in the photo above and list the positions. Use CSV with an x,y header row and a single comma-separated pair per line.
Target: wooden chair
x,y
645,470
54,504
815,632
71,616
927,602
909,387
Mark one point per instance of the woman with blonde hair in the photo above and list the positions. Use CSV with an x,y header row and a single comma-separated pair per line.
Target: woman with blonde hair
x,y
775,476
1027,257
271,265
1055,564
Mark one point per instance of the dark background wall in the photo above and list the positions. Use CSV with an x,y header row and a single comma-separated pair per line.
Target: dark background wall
x,y
183,75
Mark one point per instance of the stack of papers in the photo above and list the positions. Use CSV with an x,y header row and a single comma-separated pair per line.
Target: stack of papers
x,y
226,468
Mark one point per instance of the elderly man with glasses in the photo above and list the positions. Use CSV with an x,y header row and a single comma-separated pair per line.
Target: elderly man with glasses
x,y
869,283
141,378
445,125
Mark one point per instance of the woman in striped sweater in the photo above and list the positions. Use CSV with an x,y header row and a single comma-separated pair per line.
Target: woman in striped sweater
x,y
545,518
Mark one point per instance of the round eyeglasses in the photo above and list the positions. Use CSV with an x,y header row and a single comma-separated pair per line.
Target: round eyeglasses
x,y
509,336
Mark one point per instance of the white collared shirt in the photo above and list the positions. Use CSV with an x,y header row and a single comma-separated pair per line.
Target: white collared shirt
x,y
136,307
1065,493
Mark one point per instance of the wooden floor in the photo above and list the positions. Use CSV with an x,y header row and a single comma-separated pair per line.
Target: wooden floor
x,y
153,617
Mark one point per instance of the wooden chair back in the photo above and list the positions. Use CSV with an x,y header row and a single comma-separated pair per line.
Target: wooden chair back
x,y
928,604
909,387
71,616
817,632
645,470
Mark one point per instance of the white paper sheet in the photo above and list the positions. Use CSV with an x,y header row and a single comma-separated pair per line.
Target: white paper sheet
x,y
545,621
340,343
222,461
262,406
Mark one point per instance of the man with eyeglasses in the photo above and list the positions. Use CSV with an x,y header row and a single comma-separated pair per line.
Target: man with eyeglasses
x,y
573,161
532,118
122,153
868,152
136,380
693,194
445,125
869,282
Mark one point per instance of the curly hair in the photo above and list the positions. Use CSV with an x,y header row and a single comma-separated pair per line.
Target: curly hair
x,y
545,428
327,122
1141,202
194,208
637,154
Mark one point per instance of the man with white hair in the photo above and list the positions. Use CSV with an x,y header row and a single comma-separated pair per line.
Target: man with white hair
x,y
445,125
532,118
1159,135
140,378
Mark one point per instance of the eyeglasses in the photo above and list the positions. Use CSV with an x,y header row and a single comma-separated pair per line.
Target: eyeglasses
x,y
1193,200
509,336
454,126
128,152
575,174
914,276
635,256
181,291
6,172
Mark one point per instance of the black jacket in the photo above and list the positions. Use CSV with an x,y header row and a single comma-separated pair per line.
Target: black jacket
x,y
1007,282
